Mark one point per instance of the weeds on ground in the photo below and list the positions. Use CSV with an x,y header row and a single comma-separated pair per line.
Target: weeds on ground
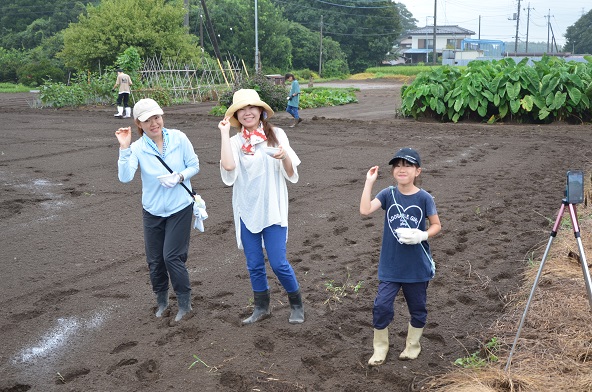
x,y
337,292
481,358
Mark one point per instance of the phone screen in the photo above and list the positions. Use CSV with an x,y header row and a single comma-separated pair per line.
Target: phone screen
x,y
575,186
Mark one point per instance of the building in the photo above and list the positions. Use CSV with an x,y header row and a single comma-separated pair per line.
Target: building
x,y
418,45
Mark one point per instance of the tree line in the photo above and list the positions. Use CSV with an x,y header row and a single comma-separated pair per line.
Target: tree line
x,y
53,39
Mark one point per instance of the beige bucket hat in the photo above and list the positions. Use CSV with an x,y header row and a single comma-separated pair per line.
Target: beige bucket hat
x,y
245,97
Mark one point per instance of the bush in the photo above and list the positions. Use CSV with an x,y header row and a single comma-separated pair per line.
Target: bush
x,y
335,69
273,95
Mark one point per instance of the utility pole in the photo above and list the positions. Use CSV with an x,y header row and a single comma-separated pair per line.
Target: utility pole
x,y
435,59
201,31
186,21
256,40
548,28
517,25
479,27
527,24
210,27
321,48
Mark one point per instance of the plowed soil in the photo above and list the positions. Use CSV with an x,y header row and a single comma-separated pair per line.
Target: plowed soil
x,y
77,311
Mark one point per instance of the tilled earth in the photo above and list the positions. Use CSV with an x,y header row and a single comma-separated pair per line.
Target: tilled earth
x,y
78,311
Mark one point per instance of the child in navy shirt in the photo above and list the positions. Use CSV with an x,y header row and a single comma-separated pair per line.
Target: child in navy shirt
x,y
405,257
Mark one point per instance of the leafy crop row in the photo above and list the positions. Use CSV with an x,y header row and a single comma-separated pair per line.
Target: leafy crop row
x,y
549,90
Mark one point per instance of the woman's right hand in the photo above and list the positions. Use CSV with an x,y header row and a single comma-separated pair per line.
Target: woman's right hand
x,y
124,136
224,125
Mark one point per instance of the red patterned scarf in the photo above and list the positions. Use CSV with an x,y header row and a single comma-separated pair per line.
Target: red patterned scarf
x,y
252,138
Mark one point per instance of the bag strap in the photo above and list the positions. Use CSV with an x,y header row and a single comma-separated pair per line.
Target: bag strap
x,y
191,193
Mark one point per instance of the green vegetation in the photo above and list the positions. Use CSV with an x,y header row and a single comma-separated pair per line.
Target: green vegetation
x,y
481,358
550,90
13,88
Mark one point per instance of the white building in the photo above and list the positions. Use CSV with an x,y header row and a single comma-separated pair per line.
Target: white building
x,y
418,44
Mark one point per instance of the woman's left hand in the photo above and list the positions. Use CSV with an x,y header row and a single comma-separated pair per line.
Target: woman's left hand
x,y
281,154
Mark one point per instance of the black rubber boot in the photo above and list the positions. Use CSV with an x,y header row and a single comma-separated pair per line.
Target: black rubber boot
x,y
184,301
297,312
261,311
162,301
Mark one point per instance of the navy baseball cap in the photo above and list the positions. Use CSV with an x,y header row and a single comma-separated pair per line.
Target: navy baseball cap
x,y
408,154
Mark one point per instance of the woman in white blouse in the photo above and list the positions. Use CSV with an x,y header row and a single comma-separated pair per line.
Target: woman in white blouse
x,y
257,161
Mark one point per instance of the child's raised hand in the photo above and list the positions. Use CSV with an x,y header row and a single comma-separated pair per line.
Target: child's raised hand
x,y
372,174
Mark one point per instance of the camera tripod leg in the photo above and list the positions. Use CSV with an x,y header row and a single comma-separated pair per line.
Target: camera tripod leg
x,y
583,262
586,272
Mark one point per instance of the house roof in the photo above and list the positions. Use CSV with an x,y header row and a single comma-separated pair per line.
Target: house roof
x,y
442,30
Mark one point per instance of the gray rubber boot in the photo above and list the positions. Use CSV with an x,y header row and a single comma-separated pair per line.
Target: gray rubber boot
x,y
297,310
184,300
261,311
162,301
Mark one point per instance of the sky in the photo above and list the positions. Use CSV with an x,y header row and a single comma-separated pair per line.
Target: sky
x,y
495,17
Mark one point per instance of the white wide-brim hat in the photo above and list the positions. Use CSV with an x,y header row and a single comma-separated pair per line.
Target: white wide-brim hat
x,y
245,97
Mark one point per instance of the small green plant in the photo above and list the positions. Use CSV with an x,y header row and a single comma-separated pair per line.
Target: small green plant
x,y
481,358
339,291
198,360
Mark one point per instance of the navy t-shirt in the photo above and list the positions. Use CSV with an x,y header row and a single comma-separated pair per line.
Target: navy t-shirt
x,y
400,262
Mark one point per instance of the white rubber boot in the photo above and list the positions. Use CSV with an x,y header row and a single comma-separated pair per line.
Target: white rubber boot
x,y
412,346
128,112
119,112
381,347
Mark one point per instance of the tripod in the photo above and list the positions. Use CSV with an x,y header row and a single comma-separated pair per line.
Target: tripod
x,y
576,229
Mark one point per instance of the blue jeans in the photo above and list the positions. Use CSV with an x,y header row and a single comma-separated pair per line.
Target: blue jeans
x,y
293,110
415,296
274,237
167,244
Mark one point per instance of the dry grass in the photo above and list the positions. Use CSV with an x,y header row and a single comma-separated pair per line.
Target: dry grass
x,y
554,351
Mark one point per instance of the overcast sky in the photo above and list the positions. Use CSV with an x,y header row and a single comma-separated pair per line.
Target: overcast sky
x,y
495,14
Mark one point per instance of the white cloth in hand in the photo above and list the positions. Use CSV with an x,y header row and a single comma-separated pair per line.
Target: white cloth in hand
x,y
411,236
199,210
169,180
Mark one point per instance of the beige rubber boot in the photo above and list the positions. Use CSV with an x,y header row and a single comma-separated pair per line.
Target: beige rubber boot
x,y
381,347
412,346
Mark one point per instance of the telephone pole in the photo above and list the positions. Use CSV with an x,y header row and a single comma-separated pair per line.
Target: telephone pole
x,y
527,25
435,59
321,48
517,25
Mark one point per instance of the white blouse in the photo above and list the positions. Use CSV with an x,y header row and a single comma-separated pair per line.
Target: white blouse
x,y
260,193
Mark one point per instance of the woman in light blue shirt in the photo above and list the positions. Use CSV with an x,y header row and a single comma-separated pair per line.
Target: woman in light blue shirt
x,y
167,206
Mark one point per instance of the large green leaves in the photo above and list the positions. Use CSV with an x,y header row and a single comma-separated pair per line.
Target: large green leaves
x,y
546,90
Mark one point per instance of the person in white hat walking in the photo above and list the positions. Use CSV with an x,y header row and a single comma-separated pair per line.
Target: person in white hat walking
x,y
257,162
167,207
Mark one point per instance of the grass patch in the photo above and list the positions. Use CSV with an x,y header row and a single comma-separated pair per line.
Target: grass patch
x,y
13,88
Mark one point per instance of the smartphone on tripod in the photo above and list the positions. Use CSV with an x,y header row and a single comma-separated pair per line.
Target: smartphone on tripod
x,y
574,190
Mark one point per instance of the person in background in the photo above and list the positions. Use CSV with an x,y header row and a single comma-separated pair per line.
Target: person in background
x,y
167,207
124,82
405,257
293,99
256,162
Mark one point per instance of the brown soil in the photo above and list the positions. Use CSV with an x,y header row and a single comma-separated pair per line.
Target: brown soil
x,y
77,308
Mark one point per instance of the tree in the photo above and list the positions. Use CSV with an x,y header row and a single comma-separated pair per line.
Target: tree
x,y
365,30
153,27
408,22
306,48
25,23
579,35
234,23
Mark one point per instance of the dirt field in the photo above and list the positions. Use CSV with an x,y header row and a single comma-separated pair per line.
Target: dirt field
x,y
77,307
